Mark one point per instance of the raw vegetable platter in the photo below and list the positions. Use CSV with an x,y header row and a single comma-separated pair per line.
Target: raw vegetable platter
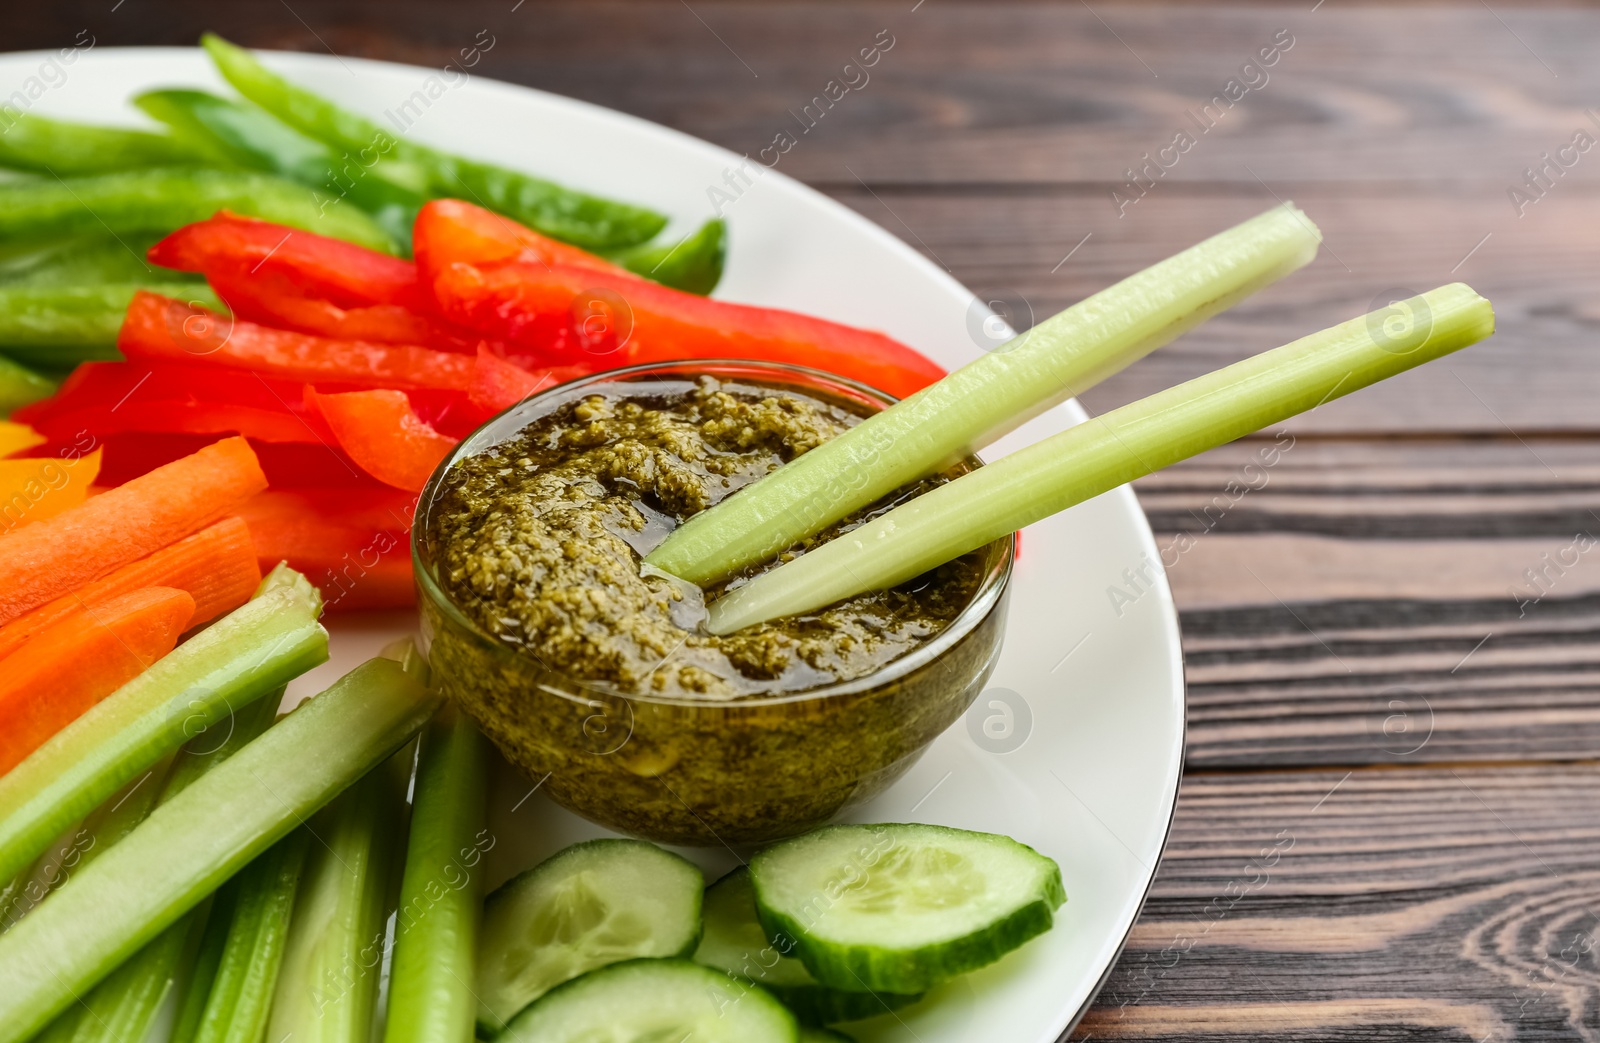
x,y
1076,746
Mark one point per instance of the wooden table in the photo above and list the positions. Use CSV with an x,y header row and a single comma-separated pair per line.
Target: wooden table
x,y
1391,630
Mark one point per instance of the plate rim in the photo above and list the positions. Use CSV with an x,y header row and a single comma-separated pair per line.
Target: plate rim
x,y
1169,617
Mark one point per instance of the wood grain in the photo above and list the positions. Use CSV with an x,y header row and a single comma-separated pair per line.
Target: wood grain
x,y
993,136
1378,602
1536,375
1444,904
1388,828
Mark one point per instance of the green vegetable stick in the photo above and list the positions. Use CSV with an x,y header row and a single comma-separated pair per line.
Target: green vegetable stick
x,y
87,261
65,149
77,321
1107,451
246,135
263,900
124,1006
1057,359
20,385
164,198
253,650
328,987
692,264
190,845
441,894
81,844
207,963
560,212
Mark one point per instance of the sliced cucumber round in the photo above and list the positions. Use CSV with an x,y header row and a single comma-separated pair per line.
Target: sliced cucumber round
x,y
734,941
654,1001
587,906
898,908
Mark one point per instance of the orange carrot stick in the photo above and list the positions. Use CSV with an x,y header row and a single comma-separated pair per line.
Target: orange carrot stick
x,y
41,562
216,566
79,660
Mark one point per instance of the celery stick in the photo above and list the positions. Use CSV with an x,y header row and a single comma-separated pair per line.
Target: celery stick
x,y
79,846
328,989
251,959
207,963
254,650
1057,359
441,897
124,1006
9,895
1103,453
203,836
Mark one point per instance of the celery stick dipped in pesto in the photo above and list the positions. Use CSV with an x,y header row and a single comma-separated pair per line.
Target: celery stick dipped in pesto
x,y
538,541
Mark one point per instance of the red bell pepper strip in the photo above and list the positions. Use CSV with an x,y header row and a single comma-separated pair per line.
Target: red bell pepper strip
x,y
332,269
353,544
272,299
104,398
498,384
161,329
383,435
126,456
564,315
450,230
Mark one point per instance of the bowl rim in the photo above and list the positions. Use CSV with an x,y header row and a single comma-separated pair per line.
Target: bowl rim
x,y
493,431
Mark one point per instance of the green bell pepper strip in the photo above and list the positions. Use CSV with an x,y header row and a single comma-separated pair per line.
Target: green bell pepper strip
x,y
20,385
441,894
191,844
693,264
62,148
256,649
563,213
164,198
242,134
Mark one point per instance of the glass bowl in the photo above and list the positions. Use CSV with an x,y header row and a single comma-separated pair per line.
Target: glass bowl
x,y
679,770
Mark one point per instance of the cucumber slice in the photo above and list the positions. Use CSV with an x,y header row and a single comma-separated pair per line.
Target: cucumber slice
x,y
897,908
592,904
735,942
654,1001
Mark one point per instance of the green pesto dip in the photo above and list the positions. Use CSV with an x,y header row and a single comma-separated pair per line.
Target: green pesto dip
x,y
538,540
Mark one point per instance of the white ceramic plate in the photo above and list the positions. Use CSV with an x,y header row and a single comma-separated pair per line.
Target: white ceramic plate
x,y
1076,748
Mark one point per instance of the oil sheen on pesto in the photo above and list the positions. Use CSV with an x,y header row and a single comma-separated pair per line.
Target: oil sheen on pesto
x,y
538,540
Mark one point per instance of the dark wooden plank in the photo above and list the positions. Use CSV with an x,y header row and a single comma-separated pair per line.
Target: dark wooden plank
x,y
1012,93
1538,373
1451,904
1380,602
1045,95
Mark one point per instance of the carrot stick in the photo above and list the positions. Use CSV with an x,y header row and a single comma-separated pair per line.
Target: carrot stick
x,y
352,543
79,660
41,562
216,566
